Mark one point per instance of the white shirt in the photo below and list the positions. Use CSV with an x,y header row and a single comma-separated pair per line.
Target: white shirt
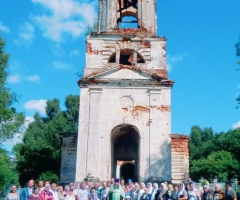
x,y
55,194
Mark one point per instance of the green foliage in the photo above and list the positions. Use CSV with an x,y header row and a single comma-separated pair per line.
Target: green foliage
x,y
49,176
40,151
10,121
220,163
214,154
7,171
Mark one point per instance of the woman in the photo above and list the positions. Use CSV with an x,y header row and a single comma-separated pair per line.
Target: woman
x,y
163,195
218,194
174,193
141,190
46,194
145,195
60,193
13,195
70,195
182,194
170,189
35,195
127,190
66,190
135,192
206,193
193,193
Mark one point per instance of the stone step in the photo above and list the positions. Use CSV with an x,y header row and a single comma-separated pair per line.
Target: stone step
x,y
176,153
177,160
178,167
178,156
178,170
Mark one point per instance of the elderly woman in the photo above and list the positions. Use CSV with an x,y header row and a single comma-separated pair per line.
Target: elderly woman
x,y
141,190
182,194
46,194
156,191
145,195
206,193
135,192
218,194
163,195
13,195
193,193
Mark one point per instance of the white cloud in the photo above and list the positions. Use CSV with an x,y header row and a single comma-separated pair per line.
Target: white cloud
x,y
172,60
11,142
33,78
37,105
59,65
58,50
28,120
4,28
237,125
75,53
14,78
14,65
26,35
64,17
18,137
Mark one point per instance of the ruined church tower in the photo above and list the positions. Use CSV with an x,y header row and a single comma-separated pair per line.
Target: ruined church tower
x,y
125,102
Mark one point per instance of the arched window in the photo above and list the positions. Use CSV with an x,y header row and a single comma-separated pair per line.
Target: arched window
x,y
128,22
127,14
126,57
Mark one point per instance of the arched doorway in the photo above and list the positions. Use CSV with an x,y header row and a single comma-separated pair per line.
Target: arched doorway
x,y
127,172
125,147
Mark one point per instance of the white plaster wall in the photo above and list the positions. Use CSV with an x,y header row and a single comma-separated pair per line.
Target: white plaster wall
x,y
104,48
154,144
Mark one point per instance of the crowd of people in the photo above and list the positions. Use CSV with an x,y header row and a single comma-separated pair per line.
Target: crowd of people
x,y
119,190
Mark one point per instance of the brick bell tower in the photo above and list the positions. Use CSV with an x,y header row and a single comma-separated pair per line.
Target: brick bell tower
x,y
125,99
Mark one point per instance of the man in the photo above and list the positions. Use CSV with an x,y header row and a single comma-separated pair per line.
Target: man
x,y
76,189
116,192
230,194
112,182
54,191
40,186
98,190
104,190
82,193
27,191
89,185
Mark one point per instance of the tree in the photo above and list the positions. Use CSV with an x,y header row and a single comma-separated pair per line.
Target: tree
x,y
10,121
39,154
210,152
7,171
221,163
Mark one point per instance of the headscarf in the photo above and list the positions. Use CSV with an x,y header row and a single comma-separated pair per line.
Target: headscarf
x,y
205,193
181,184
164,186
156,185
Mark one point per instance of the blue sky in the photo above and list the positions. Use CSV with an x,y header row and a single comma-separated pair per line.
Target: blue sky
x,y
46,41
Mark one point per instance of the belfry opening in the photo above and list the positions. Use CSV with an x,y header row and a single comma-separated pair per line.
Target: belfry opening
x,y
125,144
